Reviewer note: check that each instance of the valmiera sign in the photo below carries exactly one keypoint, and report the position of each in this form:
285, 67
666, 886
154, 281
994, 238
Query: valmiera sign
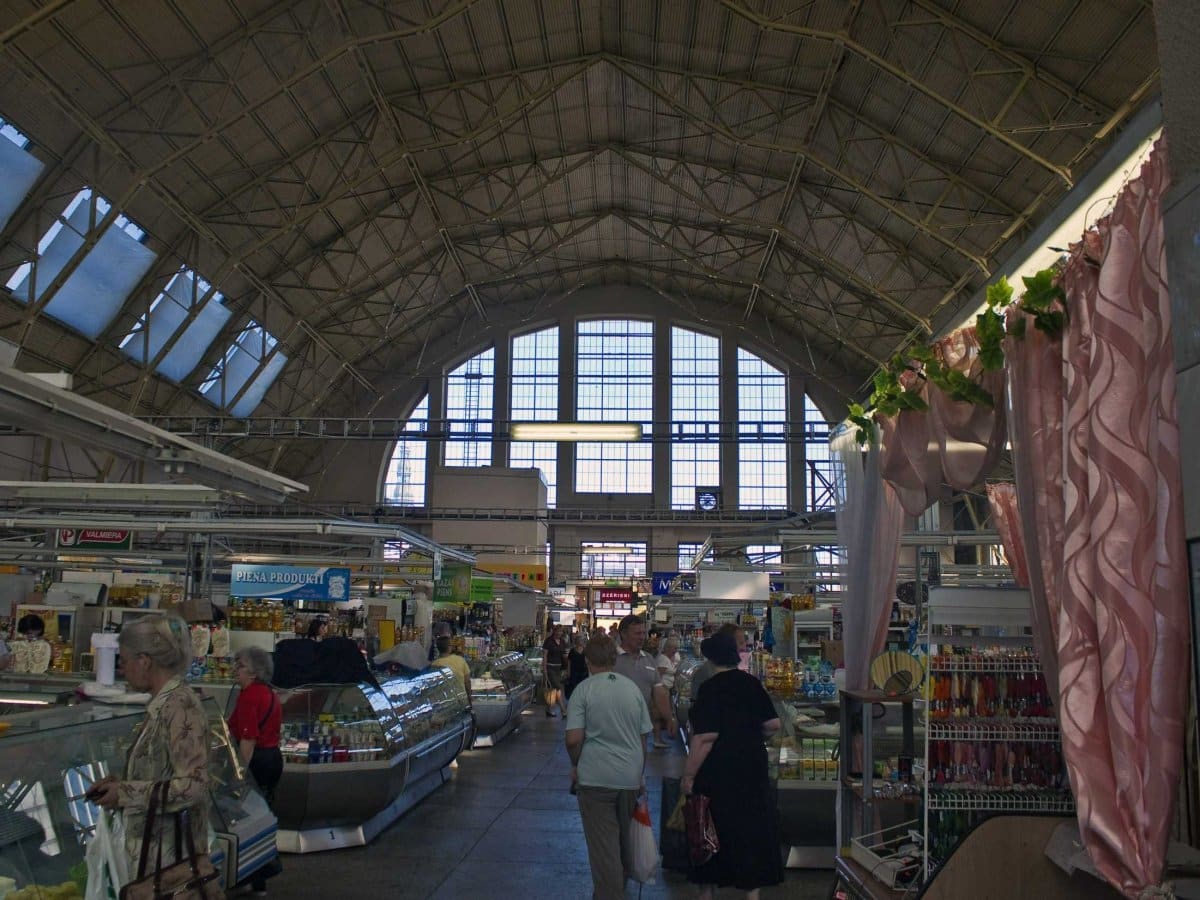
94, 539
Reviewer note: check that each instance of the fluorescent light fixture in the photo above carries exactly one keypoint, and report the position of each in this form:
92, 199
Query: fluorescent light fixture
575, 431
622, 550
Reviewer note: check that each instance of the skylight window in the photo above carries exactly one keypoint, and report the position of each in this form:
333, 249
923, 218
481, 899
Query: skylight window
240, 380
91, 294
189, 303
19, 170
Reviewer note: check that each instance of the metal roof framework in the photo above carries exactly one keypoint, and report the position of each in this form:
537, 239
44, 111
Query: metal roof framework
365, 178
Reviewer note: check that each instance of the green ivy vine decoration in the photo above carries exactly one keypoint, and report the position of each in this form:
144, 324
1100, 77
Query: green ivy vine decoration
1043, 300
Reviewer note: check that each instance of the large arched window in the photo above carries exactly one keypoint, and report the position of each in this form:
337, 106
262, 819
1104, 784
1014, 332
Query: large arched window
818, 475
469, 394
695, 415
404, 481
615, 383
762, 424
535, 399
611, 365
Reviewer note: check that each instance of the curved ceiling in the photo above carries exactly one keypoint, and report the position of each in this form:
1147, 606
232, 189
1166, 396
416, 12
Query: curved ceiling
365, 177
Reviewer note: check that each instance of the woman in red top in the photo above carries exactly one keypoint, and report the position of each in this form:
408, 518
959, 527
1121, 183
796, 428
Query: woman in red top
254, 727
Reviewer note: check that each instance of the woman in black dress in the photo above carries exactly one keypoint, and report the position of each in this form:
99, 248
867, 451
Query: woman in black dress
576, 666
727, 762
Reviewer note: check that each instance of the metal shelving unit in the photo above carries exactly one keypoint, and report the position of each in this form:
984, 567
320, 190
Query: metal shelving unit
991, 626
1000, 800
1027, 730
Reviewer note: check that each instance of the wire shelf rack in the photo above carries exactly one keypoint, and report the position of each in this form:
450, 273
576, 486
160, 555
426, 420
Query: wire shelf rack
1002, 800
998, 664
1028, 730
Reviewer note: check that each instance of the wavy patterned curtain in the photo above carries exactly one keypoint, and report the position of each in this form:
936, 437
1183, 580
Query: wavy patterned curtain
1123, 627
952, 443
1036, 388
1002, 499
869, 519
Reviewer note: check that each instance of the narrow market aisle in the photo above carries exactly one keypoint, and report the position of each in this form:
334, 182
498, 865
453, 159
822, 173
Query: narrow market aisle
506, 826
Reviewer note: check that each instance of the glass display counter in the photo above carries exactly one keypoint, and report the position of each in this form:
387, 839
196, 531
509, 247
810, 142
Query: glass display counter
802, 760
681, 695
533, 658
357, 756
51, 754
24, 693
501, 687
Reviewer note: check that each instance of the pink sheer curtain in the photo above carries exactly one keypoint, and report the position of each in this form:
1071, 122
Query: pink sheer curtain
1123, 627
1036, 388
869, 520
1002, 498
952, 443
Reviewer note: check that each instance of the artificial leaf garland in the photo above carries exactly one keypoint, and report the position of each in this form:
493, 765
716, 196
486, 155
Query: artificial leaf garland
1044, 301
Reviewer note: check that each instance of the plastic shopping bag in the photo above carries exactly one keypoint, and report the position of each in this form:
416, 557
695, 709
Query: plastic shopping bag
643, 848
107, 864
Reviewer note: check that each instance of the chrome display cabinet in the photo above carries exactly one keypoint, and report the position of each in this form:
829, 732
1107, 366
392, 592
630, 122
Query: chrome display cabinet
357, 756
681, 695
501, 687
50, 754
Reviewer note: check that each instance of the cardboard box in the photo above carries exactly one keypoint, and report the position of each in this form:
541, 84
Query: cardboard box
195, 610
834, 652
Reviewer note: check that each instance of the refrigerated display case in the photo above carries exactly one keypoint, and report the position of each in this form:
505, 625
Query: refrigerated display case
357, 756
501, 687
681, 695
50, 755
26, 692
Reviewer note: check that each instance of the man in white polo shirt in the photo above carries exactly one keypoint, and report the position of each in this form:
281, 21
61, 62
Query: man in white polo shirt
607, 724
642, 669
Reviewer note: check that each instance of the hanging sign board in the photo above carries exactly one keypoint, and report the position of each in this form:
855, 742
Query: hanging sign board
94, 538
290, 582
482, 590
533, 576
661, 583
454, 585
718, 585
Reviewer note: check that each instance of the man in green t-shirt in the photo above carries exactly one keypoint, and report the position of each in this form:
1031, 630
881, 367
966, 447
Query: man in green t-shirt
607, 724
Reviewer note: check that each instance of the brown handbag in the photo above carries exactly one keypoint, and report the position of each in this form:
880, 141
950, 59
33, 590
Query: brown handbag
193, 878
703, 843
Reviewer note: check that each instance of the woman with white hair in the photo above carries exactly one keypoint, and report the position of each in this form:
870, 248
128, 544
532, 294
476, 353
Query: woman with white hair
254, 726
666, 663
170, 744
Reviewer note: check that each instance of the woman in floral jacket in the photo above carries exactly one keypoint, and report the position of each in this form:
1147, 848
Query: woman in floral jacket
169, 744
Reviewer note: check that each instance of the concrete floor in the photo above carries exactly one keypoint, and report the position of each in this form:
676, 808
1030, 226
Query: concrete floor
504, 827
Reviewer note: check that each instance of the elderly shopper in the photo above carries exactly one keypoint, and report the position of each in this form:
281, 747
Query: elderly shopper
727, 762
640, 667
254, 727
170, 744
607, 724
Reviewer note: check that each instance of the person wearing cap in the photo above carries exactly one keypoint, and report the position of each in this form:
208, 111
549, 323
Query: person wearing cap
705, 670
731, 716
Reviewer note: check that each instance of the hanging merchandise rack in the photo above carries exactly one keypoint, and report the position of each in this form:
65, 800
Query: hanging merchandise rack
992, 743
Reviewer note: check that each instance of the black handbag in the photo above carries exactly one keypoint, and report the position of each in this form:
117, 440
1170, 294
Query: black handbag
703, 843
193, 878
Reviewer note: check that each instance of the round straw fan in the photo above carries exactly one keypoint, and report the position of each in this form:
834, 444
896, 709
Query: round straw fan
896, 672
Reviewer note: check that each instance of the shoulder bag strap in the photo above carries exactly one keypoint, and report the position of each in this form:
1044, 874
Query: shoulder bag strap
148, 830
270, 709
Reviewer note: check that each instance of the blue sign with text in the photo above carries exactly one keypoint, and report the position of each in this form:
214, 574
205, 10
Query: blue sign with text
290, 582
660, 582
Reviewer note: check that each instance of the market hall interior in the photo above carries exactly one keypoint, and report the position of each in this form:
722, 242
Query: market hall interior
504, 826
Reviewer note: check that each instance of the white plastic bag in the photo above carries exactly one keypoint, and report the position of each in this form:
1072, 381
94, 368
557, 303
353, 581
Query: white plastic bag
643, 847
107, 864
